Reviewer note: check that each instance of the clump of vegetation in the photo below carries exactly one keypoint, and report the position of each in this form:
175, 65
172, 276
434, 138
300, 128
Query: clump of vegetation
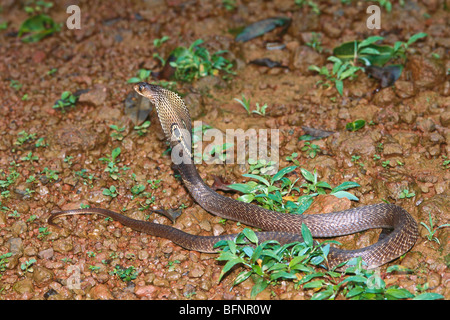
275, 192
67, 100
245, 103
269, 262
40, 25
196, 62
353, 56
125, 274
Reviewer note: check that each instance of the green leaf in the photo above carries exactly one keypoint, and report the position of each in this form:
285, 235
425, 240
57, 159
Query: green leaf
241, 187
230, 264
324, 294
307, 175
247, 198
345, 194
429, 296
345, 185
416, 37
281, 173
369, 41
260, 285
339, 86
399, 293
256, 177
307, 236
313, 284
251, 235
242, 277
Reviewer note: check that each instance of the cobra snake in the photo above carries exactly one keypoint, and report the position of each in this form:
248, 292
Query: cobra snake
399, 229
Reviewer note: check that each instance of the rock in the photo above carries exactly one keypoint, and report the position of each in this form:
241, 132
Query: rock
304, 57
404, 89
392, 149
148, 291
101, 292
18, 227
96, 96
42, 276
46, 254
23, 286
444, 118
63, 245
426, 72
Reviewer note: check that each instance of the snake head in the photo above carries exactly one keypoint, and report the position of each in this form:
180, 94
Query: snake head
147, 90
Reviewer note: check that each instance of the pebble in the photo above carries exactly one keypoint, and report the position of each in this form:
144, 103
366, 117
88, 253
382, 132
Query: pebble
100, 292
42, 276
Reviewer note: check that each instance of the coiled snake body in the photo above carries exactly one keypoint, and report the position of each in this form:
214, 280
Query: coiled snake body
399, 229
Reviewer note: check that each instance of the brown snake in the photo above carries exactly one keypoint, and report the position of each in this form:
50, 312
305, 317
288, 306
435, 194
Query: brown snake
399, 229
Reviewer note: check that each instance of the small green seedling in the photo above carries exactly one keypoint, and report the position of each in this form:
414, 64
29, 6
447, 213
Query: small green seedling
432, 230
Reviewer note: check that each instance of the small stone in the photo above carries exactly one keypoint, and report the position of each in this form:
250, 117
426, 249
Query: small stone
23, 286
392, 149
46, 254
63, 245
42, 276
96, 96
148, 291
101, 292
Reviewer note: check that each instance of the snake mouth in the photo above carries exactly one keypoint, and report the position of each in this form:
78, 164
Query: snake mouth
143, 88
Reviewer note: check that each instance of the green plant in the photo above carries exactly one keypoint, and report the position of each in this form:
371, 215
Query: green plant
196, 62
111, 191
261, 166
38, 27
43, 232
3, 261
24, 137
311, 149
445, 163
229, 4
117, 133
244, 103
274, 193
158, 42
261, 110
432, 230
143, 128
29, 157
67, 100
27, 265
314, 7
50, 174
142, 75
268, 263
341, 70
406, 194
111, 166
127, 274
315, 42
355, 125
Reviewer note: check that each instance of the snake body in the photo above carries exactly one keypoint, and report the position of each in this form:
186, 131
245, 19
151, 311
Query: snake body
399, 229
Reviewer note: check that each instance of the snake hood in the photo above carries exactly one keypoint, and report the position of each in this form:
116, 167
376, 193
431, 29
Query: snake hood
175, 119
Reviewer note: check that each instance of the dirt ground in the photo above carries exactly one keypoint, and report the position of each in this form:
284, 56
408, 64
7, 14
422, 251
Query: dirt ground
407, 124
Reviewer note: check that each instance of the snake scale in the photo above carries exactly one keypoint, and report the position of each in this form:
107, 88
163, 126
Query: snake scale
399, 229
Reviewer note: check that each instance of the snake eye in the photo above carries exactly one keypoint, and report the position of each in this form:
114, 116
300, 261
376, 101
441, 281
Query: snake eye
141, 87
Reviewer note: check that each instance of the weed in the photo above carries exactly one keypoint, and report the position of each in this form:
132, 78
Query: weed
67, 100
142, 75
315, 42
24, 137
406, 194
111, 191
341, 70
311, 149
268, 263
158, 42
310, 3
29, 157
50, 174
143, 128
355, 125
4, 261
27, 265
43, 232
244, 103
111, 166
117, 133
196, 62
432, 230
38, 27
261, 110
127, 274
